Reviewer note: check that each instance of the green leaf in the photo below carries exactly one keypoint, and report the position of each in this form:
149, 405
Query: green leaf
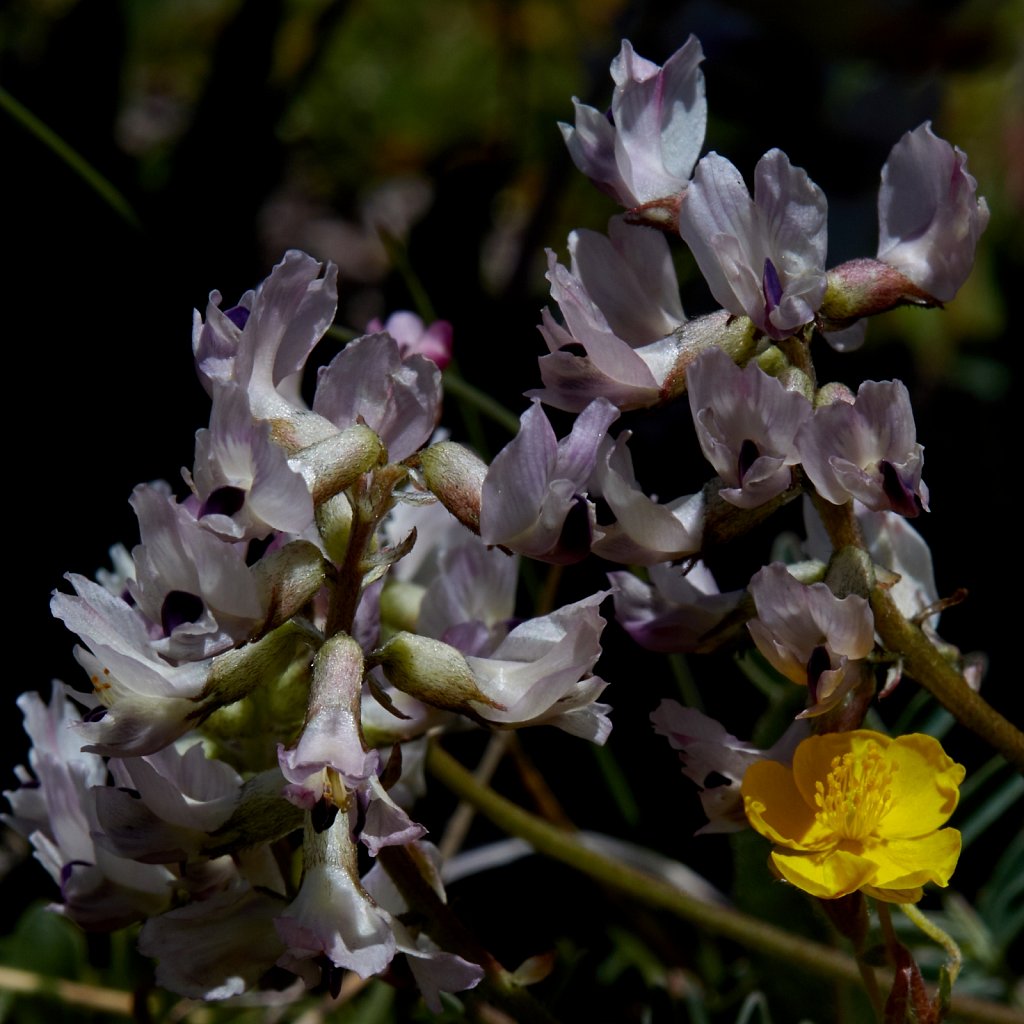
46, 943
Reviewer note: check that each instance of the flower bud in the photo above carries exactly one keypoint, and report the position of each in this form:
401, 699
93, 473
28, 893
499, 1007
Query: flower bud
287, 579
850, 572
734, 335
334, 521
431, 671
400, 604
864, 287
834, 391
336, 462
237, 673
260, 816
456, 476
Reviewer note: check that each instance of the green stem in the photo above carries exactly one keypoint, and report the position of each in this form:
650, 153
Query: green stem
371, 498
653, 892
563, 846
921, 658
942, 680
94, 998
462, 817
69, 156
938, 936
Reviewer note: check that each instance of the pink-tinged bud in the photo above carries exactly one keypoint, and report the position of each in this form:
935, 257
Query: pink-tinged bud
658, 213
287, 578
456, 476
834, 391
431, 671
865, 287
336, 462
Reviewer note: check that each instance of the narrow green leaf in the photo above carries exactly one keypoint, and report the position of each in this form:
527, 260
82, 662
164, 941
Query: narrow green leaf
69, 156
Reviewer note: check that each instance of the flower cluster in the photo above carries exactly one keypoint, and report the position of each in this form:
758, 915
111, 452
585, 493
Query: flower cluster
271, 656
336, 582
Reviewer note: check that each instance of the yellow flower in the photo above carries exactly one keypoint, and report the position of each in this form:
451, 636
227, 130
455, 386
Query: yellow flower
859, 810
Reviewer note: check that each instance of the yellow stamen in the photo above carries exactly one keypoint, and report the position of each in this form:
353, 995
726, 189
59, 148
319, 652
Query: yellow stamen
856, 794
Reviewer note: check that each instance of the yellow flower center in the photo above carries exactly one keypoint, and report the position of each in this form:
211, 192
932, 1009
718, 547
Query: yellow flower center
856, 794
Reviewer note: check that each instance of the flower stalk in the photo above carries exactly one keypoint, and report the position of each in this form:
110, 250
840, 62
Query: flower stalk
921, 658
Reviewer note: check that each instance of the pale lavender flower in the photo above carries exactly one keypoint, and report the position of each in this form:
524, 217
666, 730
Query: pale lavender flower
646, 150
867, 450
541, 673
677, 611
399, 397
193, 586
385, 822
414, 337
217, 947
534, 495
620, 302
331, 740
162, 806
140, 701
333, 916
470, 601
241, 480
55, 810
630, 278
811, 636
763, 258
746, 423
645, 532
262, 343
435, 970
706, 750
929, 214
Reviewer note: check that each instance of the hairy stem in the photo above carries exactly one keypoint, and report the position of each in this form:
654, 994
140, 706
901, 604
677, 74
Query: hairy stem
921, 658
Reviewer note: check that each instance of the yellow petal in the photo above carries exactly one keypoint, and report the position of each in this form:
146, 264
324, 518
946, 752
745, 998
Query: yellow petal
893, 895
828, 874
909, 863
776, 809
924, 787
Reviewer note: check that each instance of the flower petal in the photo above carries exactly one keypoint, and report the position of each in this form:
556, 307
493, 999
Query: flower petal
778, 810
924, 788
828, 874
909, 863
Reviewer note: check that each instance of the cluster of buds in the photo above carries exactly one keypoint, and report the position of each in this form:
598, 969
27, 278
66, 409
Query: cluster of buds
338, 583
